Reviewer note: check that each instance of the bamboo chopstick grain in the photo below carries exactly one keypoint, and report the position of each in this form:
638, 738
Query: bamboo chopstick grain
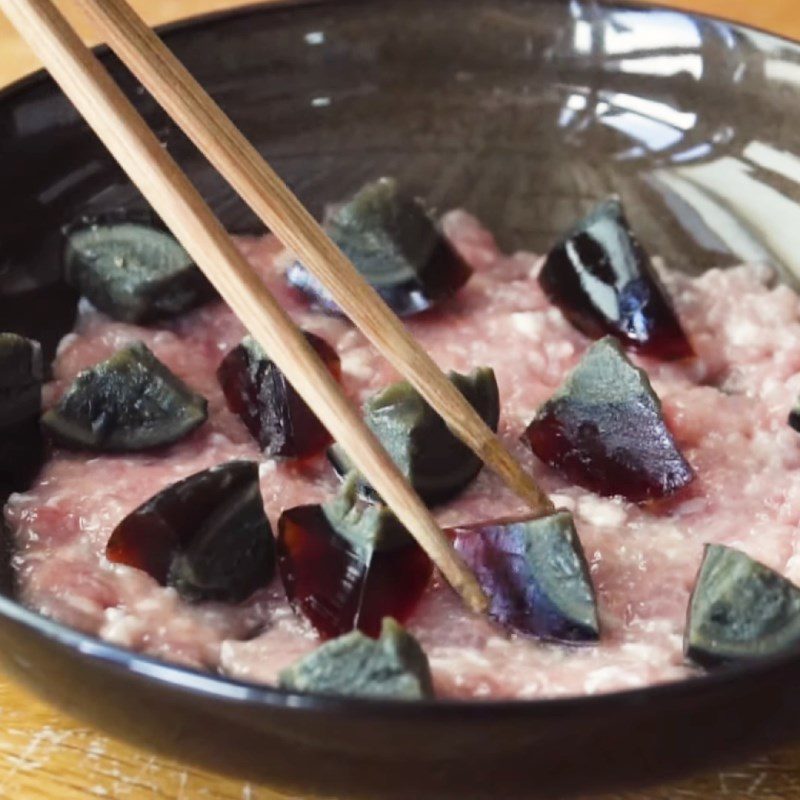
168, 190
261, 188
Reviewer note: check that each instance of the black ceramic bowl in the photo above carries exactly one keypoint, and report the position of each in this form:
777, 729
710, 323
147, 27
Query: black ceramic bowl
525, 113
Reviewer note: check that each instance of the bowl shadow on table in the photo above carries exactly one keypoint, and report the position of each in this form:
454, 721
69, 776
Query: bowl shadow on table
525, 114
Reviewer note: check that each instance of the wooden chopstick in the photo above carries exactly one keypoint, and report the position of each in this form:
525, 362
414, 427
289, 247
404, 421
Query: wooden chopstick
126, 135
262, 189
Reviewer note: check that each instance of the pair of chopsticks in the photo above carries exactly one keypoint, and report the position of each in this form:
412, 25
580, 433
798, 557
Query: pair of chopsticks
126, 135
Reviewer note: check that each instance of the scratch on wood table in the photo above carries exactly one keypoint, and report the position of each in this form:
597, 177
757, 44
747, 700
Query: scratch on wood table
45, 755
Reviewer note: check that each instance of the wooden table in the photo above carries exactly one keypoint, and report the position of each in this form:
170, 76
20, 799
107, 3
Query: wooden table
44, 754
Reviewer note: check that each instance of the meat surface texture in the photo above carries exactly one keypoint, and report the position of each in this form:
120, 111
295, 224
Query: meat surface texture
727, 410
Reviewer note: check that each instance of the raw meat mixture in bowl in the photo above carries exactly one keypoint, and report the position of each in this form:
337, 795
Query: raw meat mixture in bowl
727, 410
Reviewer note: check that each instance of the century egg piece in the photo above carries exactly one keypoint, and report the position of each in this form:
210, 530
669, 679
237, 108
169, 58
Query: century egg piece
436, 462
133, 271
346, 565
274, 413
129, 402
395, 245
604, 430
207, 535
392, 666
794, 416
21, 447
602, 279
535, 575
21, 374
740, 610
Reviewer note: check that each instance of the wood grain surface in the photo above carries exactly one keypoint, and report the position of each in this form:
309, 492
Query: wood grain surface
46, 755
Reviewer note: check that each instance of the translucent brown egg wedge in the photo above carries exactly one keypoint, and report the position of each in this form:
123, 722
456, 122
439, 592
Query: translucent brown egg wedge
604, 282
436, 462
604, 429
395, 245
207, 535
259, 394
131, 270
346, 564
740, 610
535, 574
394, 666
128, 403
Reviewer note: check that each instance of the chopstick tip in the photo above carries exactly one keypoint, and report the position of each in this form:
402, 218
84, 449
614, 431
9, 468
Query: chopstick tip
476, 599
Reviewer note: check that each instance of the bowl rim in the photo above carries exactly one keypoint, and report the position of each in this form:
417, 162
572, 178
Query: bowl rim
210, 685
191, 681
40, 75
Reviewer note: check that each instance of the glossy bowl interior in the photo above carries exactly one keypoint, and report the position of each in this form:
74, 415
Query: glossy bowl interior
525, 112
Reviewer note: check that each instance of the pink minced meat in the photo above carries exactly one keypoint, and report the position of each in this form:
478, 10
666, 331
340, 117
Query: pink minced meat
727, 410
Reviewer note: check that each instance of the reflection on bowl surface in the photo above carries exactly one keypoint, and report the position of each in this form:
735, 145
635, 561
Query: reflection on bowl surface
525, 114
